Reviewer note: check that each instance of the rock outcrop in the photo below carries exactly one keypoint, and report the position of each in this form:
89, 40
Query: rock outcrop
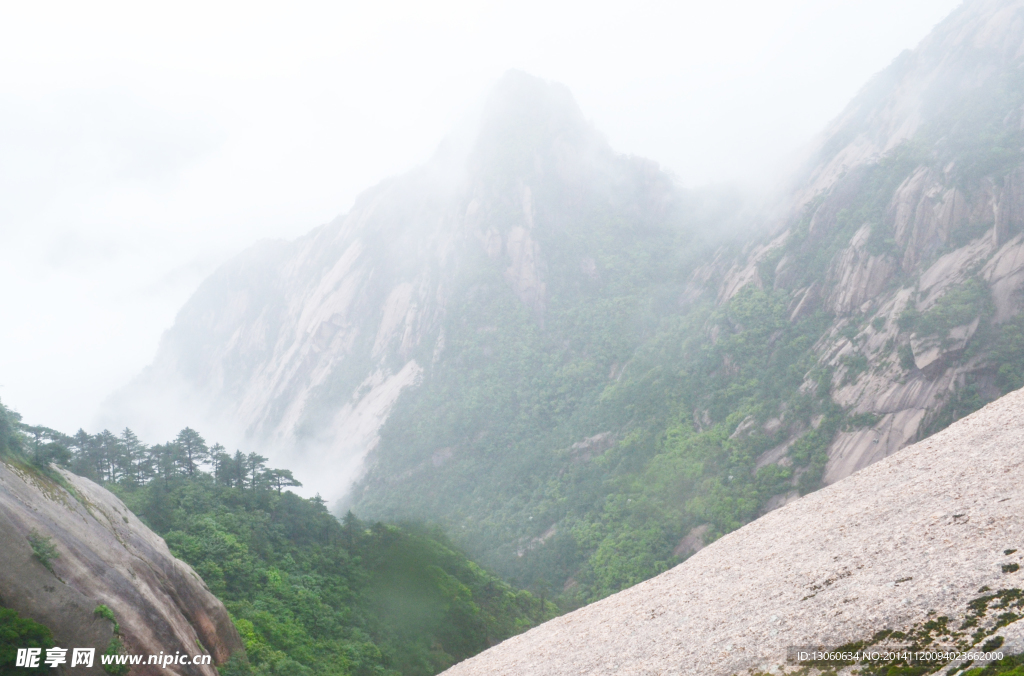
913, 202
106, 556
915, 537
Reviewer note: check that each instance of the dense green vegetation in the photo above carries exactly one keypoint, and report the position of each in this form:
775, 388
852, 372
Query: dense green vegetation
685, 395
581, 443
959, 307
1008, 666
309, 594
20, 632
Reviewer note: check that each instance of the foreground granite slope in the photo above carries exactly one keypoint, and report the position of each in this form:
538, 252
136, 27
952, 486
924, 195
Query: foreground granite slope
919, 532
106, 556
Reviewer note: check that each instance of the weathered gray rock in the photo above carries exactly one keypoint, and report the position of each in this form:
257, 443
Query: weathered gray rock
916, 533
1005, 273
308, 345
937, 233
106, 556
951, 270
894, 105
856, 276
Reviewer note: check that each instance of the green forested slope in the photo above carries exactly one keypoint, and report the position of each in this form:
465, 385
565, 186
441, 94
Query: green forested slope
309, 594
598, 371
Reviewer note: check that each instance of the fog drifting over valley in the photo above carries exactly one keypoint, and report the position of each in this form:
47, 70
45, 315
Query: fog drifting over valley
141, 148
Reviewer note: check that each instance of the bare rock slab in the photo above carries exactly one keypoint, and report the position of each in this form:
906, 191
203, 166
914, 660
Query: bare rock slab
105, 556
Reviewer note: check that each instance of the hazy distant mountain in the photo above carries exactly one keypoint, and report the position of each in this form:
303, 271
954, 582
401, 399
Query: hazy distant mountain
309, 344
586, 372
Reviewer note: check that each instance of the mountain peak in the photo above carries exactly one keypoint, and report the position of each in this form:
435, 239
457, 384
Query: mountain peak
527, 119
520, 100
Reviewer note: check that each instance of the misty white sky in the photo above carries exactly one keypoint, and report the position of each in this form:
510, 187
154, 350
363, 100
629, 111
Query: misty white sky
142, 143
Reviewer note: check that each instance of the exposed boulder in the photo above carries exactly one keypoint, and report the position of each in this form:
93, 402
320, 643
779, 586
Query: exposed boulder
106, 556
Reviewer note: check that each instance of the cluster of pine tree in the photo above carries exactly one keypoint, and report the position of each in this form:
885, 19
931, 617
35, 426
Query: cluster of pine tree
125, 460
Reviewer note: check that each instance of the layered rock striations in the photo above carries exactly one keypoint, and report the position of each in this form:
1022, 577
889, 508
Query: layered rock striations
105, 556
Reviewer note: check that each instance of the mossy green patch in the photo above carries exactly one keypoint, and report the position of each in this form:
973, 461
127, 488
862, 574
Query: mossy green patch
21, 632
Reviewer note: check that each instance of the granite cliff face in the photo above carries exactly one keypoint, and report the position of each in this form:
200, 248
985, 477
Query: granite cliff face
965, 56
105, 556
913, 207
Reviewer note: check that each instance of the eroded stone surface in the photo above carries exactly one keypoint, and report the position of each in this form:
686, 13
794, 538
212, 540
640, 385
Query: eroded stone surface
106, 556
